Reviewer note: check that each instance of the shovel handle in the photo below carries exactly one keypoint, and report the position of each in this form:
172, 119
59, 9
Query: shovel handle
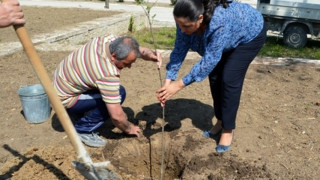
49, 89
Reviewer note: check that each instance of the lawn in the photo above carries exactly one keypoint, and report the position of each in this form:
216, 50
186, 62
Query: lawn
273, 47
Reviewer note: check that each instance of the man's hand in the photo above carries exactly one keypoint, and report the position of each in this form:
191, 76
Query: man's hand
149, 55
11, 14
120, 120
134, 130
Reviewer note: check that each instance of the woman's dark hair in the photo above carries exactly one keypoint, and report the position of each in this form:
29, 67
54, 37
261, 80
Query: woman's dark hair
192, 9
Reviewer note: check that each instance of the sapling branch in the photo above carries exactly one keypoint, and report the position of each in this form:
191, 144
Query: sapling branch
147, 10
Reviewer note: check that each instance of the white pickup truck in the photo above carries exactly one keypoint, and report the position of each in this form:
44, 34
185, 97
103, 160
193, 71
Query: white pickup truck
294, 19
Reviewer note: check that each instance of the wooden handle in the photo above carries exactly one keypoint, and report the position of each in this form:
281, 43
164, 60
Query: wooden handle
49, 89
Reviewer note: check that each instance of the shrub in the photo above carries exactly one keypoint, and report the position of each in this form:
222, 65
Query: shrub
131, 24
173, 2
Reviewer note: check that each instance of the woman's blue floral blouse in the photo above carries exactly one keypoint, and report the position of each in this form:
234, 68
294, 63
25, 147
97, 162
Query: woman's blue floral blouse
239, 23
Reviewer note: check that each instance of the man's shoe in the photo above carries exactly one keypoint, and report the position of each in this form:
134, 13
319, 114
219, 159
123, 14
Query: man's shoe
92, 139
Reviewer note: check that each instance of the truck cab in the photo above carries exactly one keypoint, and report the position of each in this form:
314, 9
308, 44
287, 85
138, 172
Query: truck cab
295, 20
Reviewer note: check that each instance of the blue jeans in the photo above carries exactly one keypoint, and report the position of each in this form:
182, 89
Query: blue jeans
92, 110
226, 80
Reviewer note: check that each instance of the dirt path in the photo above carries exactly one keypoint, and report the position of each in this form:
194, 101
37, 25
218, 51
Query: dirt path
277, 134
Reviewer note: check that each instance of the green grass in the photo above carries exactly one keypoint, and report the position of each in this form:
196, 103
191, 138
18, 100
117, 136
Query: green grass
164, 37
273, 47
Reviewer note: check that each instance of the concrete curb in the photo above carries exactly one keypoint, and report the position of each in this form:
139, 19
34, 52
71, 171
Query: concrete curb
82, 32
76, 34
284, 61
259, 60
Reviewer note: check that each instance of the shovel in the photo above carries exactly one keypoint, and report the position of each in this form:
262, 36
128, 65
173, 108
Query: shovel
84, 164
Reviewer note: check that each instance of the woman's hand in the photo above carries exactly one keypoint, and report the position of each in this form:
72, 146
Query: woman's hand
169, 89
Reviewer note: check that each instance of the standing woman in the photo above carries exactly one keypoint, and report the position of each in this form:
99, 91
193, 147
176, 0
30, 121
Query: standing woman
228, 35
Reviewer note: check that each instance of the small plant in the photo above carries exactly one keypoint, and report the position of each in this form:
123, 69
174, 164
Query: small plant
131, 27
147, 9
139, 1
173, 2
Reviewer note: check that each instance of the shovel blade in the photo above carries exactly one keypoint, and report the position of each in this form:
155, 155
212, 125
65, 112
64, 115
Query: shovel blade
96, 171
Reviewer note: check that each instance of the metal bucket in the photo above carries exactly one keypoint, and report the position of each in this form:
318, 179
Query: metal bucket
35, 103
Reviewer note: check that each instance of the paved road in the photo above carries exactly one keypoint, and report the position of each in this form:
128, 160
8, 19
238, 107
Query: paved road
163, 14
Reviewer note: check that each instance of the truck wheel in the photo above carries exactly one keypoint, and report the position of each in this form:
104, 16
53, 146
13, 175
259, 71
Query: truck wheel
295, 36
